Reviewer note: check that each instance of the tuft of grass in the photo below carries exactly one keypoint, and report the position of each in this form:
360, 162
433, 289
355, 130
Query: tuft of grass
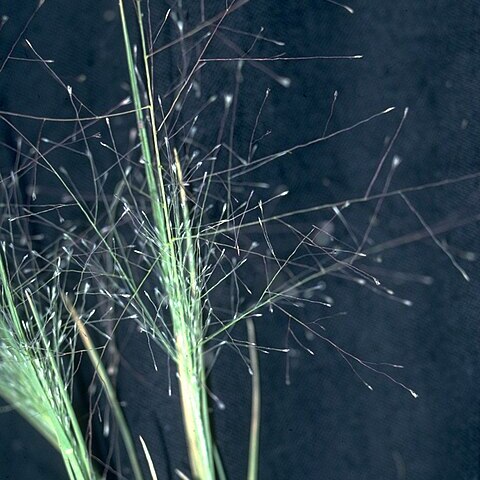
36, 369
178, 267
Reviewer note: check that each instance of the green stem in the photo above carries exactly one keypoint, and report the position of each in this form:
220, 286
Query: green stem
196, 428
109, 390
255, 417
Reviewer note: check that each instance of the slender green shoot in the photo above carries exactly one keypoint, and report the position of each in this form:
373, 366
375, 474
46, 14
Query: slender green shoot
254, 443
108, 389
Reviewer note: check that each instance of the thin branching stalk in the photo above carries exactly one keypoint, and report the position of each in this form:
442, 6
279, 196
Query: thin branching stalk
108, 389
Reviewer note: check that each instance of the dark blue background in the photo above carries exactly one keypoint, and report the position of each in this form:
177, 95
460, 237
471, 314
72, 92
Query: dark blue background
326, 425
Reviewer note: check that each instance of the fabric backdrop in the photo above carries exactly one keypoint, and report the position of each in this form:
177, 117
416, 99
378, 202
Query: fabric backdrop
326, 425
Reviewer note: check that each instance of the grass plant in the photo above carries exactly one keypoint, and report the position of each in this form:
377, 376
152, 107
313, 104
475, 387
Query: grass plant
36, 368
168, 249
